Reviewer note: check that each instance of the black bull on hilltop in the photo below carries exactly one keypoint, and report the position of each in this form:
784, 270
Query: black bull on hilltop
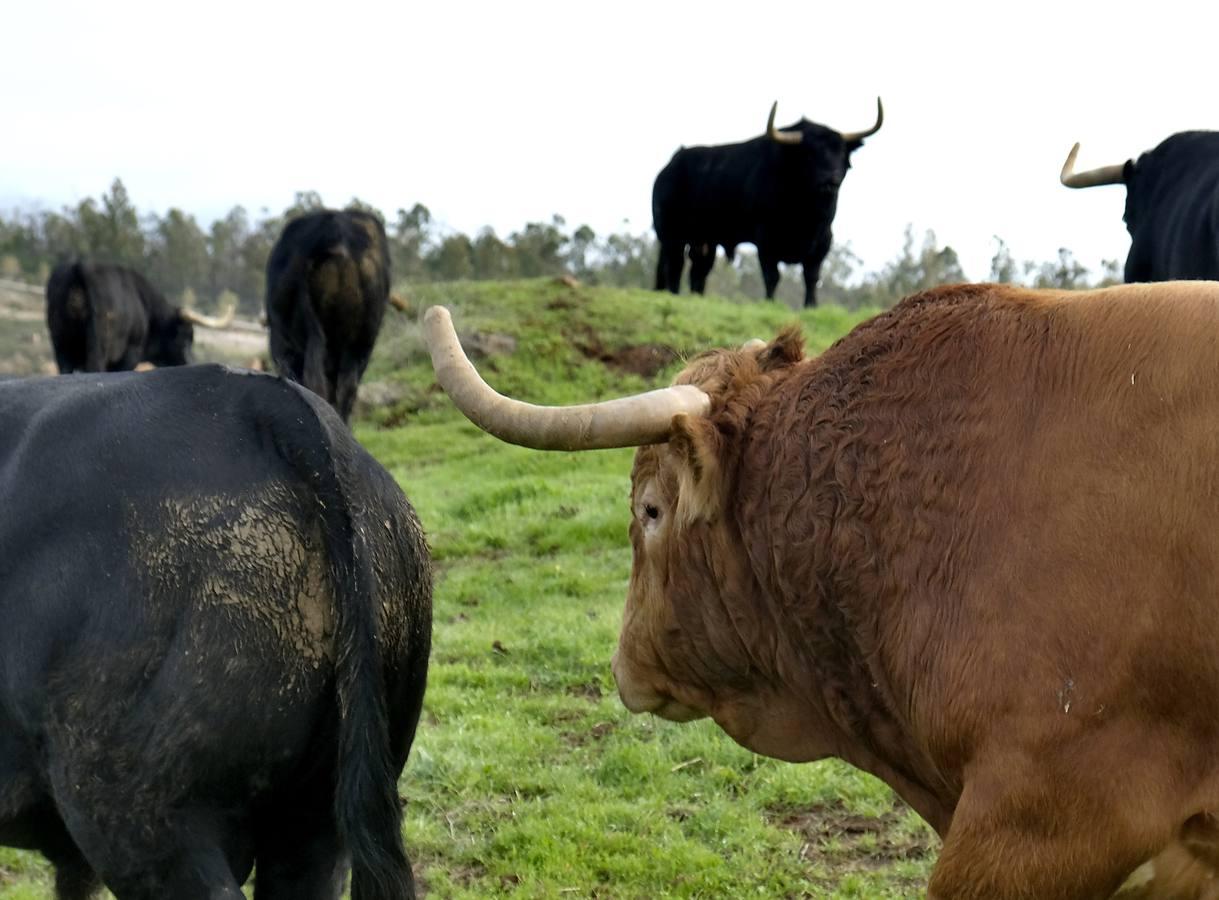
778, 192
216, 616
970, 549
1172, 206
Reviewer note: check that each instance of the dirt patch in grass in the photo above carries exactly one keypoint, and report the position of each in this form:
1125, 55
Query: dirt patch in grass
833, 834
592, 734
468, 874
589, 690
646, 360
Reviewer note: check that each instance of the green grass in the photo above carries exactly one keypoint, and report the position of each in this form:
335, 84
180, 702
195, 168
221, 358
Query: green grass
528, 778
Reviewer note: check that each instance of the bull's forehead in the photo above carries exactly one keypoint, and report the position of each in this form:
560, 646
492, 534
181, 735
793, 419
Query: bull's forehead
713, 370
816, 133
646, 468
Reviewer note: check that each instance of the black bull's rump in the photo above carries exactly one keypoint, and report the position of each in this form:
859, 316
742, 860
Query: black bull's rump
327, 288
217, 618
105, 318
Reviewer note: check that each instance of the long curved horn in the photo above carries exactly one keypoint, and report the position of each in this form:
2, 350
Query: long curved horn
1091, 178
849, 136
626, 422
222, 321
780, 137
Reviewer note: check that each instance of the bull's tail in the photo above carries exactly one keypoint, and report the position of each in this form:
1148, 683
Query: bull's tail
313, 369
366, 797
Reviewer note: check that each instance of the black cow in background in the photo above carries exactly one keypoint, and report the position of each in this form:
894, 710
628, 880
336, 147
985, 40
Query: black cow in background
327, 288
778, 192
108, 318
215, 638
1172, 206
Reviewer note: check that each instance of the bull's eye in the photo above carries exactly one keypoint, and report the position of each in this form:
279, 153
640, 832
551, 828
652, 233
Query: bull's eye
651, 511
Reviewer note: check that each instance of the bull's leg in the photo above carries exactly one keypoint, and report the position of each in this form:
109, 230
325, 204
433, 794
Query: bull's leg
198, 869
702, 259
75, 878
296, 867
812, 270
43, 830
672, 259
131, 358
188, 855
64, 362
1028, 825
770, 272
202, 873
662, 280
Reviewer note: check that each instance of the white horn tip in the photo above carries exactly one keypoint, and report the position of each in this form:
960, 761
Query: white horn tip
437, 314
1068, 167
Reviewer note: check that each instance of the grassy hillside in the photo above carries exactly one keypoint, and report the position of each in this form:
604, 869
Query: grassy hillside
528, 778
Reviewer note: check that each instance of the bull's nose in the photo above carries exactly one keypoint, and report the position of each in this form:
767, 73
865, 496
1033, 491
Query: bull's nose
629, 694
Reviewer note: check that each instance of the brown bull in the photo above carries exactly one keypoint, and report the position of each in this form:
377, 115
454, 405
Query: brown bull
970, 549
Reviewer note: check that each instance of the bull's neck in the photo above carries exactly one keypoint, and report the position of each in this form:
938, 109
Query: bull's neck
810, 538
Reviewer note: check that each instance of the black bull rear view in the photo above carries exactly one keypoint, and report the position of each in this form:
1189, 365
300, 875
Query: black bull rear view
215, 638
778, 192
327, 288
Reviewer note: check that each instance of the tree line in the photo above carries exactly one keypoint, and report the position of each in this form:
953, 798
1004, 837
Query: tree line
191, 262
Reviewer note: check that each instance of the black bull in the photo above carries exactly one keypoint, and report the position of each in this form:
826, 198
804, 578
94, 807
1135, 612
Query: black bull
108, 318
215, 638
1172, 206
327, 288
778, 192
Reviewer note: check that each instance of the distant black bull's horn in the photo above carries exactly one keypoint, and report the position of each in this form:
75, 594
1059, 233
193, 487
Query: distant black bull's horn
791, 137
1091, 178
224, 320
780, 137
849, 136
626, 422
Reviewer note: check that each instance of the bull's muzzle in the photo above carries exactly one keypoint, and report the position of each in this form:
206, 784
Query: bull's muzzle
639, 697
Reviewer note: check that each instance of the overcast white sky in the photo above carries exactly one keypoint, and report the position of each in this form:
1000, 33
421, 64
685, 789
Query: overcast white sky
502, 113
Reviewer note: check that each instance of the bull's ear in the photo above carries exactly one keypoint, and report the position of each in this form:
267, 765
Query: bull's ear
696, 445
784, 350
